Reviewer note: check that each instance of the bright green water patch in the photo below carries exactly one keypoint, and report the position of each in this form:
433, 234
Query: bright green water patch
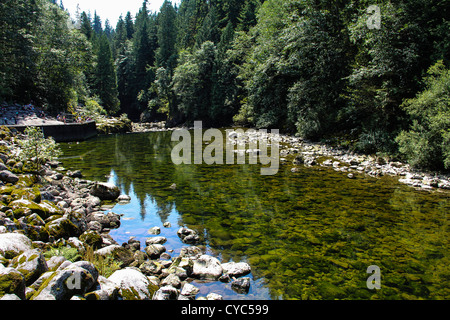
307, 235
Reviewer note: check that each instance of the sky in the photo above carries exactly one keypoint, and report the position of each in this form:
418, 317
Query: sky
111, 9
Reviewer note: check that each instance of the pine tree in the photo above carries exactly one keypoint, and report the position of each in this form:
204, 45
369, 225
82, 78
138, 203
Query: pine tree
129, 25
97, 24
166, 53
106, 82
86, 26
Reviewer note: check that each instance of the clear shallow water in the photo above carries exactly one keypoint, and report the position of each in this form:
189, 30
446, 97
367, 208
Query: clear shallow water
307, 235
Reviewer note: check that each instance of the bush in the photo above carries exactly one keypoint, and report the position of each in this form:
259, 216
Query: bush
427, 143
37, 149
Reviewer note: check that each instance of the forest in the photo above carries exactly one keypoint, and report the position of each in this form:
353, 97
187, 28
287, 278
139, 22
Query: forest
313, 68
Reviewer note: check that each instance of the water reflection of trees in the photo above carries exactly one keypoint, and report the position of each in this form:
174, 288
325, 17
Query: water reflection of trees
310, 234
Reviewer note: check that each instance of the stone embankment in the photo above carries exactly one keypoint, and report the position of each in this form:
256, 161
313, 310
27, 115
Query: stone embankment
55, 243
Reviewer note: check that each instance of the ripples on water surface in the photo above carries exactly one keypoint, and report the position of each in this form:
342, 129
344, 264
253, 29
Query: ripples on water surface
307, 235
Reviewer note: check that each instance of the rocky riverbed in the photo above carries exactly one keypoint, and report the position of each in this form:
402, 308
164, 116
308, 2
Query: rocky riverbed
55, 243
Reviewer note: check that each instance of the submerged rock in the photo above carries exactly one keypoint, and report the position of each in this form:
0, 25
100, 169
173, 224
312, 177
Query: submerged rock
241, 285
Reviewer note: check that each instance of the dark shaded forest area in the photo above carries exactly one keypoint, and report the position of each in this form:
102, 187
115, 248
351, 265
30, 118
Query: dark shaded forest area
315, 68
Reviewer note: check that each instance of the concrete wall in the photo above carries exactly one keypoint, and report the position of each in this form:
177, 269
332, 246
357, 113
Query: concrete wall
66, 132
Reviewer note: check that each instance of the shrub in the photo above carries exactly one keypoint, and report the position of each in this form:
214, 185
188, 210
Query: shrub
37, 149
427, 143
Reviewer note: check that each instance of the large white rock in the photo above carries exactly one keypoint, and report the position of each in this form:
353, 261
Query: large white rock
207, 267
238, 269
133, 284
13, 244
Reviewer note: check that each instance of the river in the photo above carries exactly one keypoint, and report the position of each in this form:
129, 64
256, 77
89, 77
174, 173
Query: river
311, 234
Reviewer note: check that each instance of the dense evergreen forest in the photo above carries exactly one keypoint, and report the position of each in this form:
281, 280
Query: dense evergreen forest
315, 68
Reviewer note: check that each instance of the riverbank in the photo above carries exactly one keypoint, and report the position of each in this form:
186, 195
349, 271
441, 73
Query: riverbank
307, 153
55, 243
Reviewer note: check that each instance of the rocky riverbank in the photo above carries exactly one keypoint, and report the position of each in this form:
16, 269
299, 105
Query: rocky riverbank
55, 243
305, 153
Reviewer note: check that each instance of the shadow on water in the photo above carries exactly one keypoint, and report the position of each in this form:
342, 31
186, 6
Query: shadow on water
307, 235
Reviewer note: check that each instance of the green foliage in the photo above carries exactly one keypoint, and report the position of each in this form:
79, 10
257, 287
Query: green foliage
38, 149
105, 80
69, 253
427, 143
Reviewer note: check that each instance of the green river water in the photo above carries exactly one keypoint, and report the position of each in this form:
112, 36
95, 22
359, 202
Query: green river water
307, 235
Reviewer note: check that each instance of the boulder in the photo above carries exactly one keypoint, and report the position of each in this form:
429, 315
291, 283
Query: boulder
133, 284
188, 236
241, 285
62, 228
105, 191
172, 280
207, 267
54, 262
191, 252
214, 296
76, 279
151, 268
155, 240
189, 291
154, 230
106, 290
12, 282
8, 177
31, 264
166, 293
154, 251
234, 269
124, 256
13, 244
92, 238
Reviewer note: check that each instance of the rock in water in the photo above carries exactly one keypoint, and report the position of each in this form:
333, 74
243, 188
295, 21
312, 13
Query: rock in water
234, 269
188, 236
207, 267
105, 191
241, 285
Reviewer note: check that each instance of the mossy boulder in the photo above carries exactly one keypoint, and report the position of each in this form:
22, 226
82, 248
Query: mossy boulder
31, 264
44, 209
92, 238
12, 282
62, 228
34, 226
133, 284
76, 279
13, 244
120, 254
32, 194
